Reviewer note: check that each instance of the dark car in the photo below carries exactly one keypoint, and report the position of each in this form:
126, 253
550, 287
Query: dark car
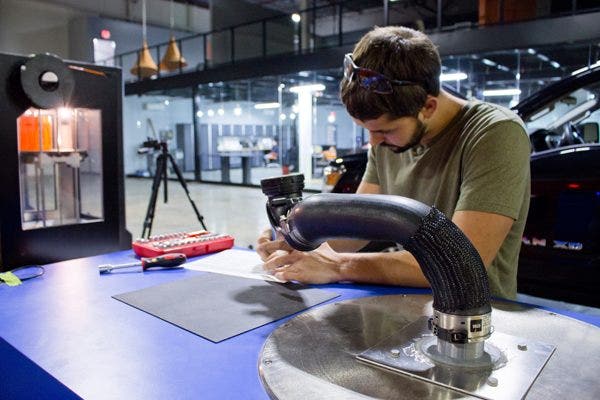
560, 255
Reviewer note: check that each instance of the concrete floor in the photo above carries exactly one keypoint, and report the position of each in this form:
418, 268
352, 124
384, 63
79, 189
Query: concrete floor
237, 211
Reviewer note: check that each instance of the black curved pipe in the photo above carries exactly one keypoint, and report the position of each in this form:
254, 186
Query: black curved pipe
447, 258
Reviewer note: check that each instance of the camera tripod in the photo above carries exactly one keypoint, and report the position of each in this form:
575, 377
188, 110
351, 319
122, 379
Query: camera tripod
161, 175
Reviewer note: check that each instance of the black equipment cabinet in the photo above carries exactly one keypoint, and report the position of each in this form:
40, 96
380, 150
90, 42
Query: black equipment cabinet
62, 191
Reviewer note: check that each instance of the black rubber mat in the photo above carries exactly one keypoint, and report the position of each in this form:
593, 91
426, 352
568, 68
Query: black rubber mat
218, 307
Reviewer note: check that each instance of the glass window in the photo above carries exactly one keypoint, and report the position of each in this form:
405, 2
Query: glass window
570, 119
60, 167
255, 115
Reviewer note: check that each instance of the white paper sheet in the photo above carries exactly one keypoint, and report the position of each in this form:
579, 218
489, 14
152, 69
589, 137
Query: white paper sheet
243, 263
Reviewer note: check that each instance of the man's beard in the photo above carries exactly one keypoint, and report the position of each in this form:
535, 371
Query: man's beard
415, 139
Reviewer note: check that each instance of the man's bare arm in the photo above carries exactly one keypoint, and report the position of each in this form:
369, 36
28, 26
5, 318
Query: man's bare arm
485, 230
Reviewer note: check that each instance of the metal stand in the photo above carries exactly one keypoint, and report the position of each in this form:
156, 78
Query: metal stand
161, 174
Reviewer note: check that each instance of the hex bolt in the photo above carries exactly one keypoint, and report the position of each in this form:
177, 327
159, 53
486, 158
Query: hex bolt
395, 352
492, 381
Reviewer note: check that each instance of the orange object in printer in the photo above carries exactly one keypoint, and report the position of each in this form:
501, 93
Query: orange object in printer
29, 132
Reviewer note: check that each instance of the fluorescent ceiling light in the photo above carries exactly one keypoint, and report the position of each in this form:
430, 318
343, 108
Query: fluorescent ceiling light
501, 92
597, 63
555, 64
488, 62
308, 88
264, 106
455, 76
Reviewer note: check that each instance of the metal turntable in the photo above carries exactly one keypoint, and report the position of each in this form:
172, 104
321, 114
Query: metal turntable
316, 355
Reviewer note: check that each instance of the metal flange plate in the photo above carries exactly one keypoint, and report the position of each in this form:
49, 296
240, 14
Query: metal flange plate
506, 370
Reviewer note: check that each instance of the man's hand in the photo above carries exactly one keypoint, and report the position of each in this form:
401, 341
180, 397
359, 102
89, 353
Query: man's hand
266, 246
322, 265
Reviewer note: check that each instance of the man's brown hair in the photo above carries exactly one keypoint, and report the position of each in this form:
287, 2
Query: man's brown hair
398, 53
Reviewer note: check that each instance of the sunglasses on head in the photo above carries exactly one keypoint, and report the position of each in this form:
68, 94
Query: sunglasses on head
369, 79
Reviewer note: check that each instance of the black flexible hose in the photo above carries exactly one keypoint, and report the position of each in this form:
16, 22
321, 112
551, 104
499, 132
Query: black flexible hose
447, 258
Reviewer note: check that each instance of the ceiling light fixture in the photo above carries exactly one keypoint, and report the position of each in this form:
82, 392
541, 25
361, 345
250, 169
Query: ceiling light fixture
488, 62
264, 106
597, 63
145, 67
454, 76
501, 92
172, 59
308, 88
543, 57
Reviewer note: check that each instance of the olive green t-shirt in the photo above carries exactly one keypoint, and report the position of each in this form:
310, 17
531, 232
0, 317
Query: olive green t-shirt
479, 162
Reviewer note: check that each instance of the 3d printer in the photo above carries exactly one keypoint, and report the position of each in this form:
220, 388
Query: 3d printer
61, 147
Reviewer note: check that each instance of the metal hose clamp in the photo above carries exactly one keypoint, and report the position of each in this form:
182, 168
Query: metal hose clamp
461, 328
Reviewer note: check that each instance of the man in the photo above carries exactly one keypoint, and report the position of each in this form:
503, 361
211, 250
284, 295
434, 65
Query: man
468, 159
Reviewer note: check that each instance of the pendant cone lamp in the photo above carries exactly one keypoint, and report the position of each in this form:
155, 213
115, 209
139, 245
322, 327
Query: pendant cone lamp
145, 66
173, 59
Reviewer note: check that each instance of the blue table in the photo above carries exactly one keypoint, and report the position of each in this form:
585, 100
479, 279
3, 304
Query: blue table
63, 336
